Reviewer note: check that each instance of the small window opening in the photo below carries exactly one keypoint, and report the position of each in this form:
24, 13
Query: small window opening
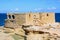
47, 15
13, 16
9, 16
29, 15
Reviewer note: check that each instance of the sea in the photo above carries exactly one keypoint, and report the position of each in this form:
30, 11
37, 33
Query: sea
3, 16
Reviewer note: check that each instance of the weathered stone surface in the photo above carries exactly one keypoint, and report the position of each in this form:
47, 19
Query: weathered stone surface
4, 36
17, 37
8, 30
29, 19
20, 31
11, 23
35, 37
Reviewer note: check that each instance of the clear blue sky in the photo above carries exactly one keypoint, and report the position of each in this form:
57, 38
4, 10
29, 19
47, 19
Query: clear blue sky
30, 5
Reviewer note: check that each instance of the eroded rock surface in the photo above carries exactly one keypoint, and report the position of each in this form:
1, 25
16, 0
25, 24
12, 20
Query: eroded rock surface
4, 36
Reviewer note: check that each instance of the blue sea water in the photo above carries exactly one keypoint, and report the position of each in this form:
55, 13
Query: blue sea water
3, 16
57, 17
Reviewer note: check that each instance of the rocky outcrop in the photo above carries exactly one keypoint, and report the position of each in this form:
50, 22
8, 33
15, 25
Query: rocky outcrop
4, 36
